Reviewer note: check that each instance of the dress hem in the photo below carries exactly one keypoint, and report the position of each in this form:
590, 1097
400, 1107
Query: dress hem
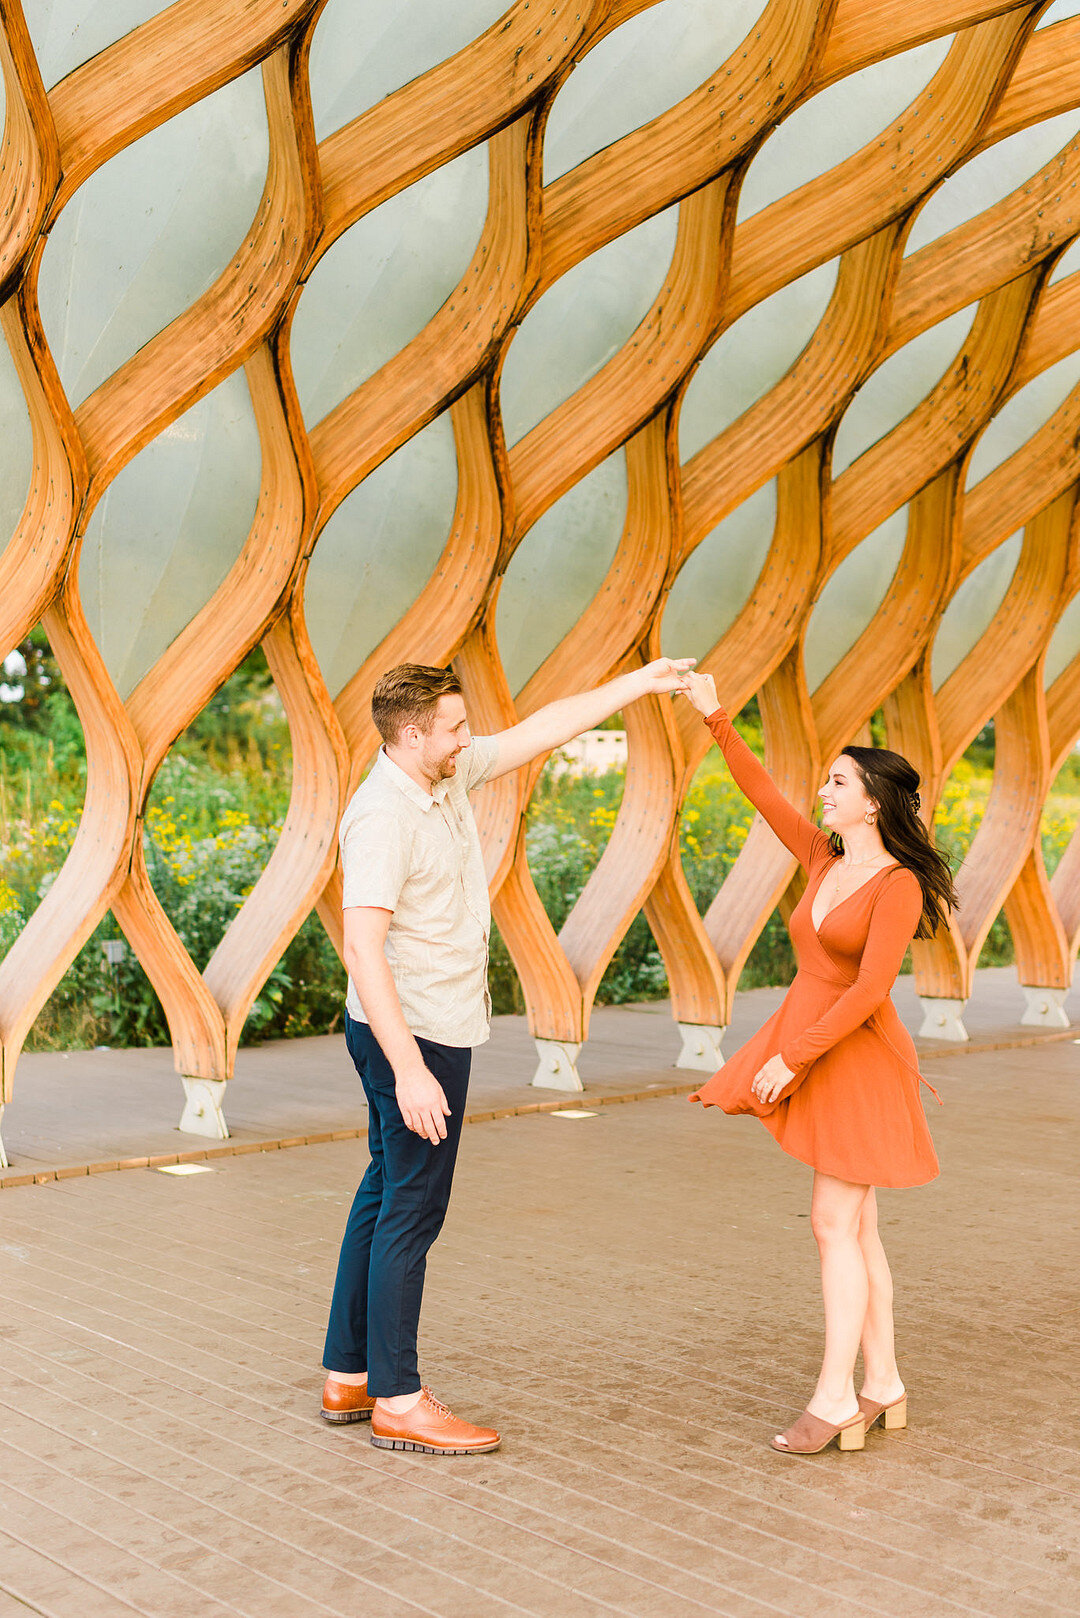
885, 1185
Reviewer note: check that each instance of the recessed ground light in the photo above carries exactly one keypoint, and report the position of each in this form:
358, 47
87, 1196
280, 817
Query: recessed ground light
572, 1112
184, 1168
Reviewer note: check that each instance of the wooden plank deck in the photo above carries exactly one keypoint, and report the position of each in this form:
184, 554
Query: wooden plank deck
631, 1298
103, 1109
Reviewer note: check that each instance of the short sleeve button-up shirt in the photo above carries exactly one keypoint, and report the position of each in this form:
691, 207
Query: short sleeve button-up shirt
417, 854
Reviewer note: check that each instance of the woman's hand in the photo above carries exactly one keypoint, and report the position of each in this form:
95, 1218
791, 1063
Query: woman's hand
701, 689
771, 1079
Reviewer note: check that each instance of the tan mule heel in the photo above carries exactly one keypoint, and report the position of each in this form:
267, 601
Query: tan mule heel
809, 1435
892, 1416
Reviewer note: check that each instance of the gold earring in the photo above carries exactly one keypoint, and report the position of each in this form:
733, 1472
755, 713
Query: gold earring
871, 819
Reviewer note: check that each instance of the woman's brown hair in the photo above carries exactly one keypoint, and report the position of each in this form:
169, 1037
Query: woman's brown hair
893, 784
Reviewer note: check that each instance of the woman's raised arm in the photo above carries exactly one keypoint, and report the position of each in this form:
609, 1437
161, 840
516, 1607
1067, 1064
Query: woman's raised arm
795, 831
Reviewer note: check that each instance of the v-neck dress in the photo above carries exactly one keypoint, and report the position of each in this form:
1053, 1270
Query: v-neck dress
853, 1108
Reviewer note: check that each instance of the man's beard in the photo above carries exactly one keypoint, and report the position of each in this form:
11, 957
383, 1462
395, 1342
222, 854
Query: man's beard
442, 769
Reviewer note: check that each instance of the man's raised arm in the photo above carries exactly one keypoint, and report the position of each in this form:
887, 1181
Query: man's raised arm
559, 722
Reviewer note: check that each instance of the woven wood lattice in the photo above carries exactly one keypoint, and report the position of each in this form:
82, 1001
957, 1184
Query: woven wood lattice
999, 76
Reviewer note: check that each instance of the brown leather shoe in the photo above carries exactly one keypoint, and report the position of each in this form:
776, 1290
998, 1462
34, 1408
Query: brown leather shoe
430, 1427
345, 1401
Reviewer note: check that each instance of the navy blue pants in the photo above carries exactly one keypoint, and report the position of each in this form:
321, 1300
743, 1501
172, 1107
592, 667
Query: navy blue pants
396, 1215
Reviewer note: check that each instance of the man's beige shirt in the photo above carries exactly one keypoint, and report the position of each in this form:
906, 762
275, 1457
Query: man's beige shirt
417, 854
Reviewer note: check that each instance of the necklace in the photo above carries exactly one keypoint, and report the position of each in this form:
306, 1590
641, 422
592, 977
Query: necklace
842, 863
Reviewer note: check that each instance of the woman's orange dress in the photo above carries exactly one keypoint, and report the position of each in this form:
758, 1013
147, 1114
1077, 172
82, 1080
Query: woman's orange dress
853, 1108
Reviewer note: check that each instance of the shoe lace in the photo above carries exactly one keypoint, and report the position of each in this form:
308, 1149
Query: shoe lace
436, 1404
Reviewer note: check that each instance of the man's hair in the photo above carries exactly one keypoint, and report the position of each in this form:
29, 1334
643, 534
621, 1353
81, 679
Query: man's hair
409, 695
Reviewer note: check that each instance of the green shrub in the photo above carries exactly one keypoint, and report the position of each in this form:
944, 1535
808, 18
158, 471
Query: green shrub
215, 814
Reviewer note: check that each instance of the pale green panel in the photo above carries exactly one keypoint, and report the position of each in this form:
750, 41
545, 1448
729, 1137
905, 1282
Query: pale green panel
150, 231
361, 54
852, 597
378, 551
1022, 416
752, 356
1068, 263
382, 281
895, 388
1058, 13
1064, 643
718, 577
558, 568
167, 530
583, 321
639, 71
986, 179
837, 123
66, 33
972, 608
17, 460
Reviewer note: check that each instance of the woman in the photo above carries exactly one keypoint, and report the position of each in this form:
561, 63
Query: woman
833, 1073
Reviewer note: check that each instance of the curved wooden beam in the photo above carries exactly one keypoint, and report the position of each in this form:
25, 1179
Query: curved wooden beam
224, 327
891, 643
942, 427
689, 145
1034, 222
256, 587
297, 871
886, 179
458, 345
773, 618
490, 83
33, 561
450, 604
29, 153
184, 678
647, 370
1009, 496
810, 398
1017, 633
97, 862
553, 999
1004, 680
163, 66
1043, 84
862, 34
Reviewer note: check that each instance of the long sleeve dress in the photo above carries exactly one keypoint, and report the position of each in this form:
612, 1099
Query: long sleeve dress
853, 1108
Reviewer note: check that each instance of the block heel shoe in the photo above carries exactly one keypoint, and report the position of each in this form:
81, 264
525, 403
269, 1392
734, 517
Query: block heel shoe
810, 1435
892, 1416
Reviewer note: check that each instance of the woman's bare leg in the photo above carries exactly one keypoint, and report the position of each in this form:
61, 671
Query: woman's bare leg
881, 1378
835, 1212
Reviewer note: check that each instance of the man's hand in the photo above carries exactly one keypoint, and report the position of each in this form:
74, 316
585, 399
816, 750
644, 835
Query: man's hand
421, 1102
558, 722
666, 674
771, 1079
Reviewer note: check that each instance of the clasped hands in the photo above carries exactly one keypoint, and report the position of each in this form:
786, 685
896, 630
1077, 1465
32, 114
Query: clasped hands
676, 674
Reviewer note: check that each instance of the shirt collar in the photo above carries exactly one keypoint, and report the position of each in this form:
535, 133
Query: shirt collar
397, 777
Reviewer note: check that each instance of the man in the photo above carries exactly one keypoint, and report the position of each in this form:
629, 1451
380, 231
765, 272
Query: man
416, 937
